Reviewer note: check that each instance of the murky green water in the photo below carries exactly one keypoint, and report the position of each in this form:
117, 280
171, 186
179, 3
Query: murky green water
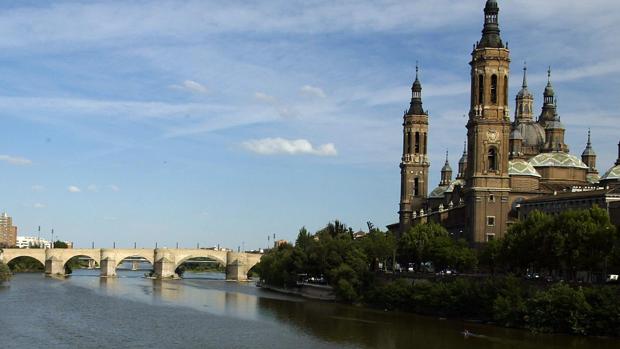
203, 311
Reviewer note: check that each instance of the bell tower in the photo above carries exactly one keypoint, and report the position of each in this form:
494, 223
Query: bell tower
414, 163
488, 132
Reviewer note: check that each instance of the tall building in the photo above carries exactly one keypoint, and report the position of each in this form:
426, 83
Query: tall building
508, 165
8, 232
414, 163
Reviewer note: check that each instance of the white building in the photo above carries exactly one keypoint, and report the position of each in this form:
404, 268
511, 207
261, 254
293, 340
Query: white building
32, 242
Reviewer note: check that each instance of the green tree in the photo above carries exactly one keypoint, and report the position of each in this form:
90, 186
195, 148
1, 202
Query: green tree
378, 247
60, 244
5, 273
415, 244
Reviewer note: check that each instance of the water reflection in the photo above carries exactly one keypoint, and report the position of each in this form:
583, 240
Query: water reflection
272, 316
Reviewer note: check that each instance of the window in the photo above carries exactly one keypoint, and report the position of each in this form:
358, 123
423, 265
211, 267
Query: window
417, 142
490, 221
480, 89
425, 149
416, 186
491, 198
490, 237
494, 89
492, 159
409, 142
506, 90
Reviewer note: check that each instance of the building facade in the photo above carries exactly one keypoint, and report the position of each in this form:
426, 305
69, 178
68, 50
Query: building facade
508, 164
8, 232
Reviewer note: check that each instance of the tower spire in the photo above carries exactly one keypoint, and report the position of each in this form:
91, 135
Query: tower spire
416, 95
589, 156
446, 172
524, 85
618, 160
490, 32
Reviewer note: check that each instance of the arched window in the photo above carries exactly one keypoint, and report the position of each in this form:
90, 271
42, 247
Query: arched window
417, 142
492, 159
494, 89
408, 142
506, 90
425, 148
416, 187
480, 89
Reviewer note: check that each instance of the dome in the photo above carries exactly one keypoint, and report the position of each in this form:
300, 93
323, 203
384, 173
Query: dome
593, 178
515, 134
438, 192
532, 133
612, 174
453, 184
557, 159
519, 167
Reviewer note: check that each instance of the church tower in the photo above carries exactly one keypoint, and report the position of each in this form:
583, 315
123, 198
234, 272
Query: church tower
549, 118
414, 163
462, 163
589, 157
488, 131
446, 173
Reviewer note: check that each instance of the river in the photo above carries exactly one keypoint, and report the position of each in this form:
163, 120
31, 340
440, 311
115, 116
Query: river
204, 311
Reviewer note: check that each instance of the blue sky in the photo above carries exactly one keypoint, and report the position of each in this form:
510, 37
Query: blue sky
224, 122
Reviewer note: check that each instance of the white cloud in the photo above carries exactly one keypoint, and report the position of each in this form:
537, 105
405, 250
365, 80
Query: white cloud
15, 160
265, 98
312, 91
283, 110
114, 187
272, 146
73, 189
38, 205
37, 188
191, 86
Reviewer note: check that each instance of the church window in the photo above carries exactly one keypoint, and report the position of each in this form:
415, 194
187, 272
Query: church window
505, 89
492, 159
480, 89
417, 142
425, 148
494, 89
491, 221
409, 142
416, 187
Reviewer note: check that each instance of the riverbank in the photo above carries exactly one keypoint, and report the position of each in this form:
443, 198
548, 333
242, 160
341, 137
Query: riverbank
309, 291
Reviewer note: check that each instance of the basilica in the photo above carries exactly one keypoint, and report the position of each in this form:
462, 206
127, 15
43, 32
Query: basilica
509, 167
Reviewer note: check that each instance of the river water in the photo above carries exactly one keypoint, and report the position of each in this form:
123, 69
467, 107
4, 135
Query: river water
204, 311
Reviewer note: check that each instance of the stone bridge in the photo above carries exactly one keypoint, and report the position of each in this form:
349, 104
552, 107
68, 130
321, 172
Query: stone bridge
164, 260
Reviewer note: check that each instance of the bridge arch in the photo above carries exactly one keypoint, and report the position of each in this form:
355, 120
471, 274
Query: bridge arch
11, 254
214, 257
121, 256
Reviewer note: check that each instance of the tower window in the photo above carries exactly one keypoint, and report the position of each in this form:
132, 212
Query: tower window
417, 142
425, 148
408, 142
492, 159
494, 89
416, 187
490, 221
480, 89
506, 90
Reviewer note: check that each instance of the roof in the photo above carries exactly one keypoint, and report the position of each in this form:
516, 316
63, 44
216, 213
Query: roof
532, 133
438, 192
612, 173
574, 195
454, 183
593, 178
557, 159
520, 167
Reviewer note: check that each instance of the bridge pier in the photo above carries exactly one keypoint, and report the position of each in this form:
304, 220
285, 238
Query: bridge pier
54, 266
164, 266
107, 267
236, 266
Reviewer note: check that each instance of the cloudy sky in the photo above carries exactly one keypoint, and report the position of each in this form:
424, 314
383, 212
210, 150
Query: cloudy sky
227, 121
